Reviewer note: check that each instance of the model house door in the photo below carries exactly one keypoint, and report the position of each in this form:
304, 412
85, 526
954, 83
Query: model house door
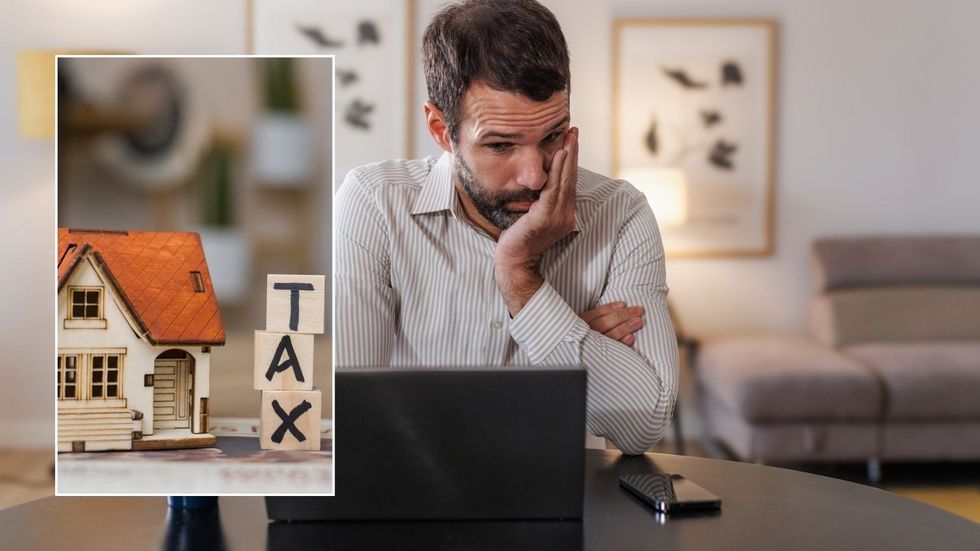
172, 385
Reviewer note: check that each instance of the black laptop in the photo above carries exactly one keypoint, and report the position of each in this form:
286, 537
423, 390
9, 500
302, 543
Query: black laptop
498, 443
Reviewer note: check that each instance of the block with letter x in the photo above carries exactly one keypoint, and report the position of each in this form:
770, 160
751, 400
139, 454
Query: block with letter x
283, 361
290, 420
295, 303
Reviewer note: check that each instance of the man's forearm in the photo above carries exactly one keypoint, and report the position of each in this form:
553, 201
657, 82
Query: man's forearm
630, 398
631, 389
517, 285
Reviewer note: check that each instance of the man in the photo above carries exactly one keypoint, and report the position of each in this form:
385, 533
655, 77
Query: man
503, 251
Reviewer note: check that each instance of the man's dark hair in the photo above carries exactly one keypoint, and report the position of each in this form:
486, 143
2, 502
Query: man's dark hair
510, 45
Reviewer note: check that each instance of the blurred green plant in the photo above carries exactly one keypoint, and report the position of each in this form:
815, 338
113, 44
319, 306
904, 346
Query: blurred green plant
215, 186
279, 85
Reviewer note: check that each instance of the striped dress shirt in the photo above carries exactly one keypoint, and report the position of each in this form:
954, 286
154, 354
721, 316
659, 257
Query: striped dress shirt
415, 286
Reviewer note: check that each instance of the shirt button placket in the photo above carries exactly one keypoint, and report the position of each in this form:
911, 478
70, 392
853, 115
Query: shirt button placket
498, 342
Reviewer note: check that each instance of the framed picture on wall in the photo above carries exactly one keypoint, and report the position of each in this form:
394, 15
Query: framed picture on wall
373, 43
694, 105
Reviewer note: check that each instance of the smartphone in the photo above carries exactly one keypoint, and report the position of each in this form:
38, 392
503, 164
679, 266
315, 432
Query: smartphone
670, 493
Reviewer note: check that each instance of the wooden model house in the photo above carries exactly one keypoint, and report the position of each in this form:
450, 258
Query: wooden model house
137, 318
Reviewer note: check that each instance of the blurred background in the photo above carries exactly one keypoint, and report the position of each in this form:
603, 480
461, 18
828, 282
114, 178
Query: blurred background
874, 128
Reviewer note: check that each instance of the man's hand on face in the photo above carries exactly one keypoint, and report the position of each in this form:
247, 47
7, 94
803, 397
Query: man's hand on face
616, 321
520, 247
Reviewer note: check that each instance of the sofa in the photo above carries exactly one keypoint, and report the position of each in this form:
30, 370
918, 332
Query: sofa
889, 369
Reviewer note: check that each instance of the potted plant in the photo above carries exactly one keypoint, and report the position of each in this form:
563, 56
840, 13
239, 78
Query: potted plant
282, 141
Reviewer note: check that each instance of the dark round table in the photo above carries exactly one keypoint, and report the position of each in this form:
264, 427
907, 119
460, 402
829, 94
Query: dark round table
763, 508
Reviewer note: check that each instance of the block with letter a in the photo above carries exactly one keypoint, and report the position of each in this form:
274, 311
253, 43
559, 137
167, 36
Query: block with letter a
290, 420
283, 361
283, 370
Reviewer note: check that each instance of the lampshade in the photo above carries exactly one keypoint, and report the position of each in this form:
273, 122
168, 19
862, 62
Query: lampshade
666, 191
35, 94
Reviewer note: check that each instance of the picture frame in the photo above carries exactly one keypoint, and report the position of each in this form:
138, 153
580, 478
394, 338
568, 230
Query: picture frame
373, 43
694, 115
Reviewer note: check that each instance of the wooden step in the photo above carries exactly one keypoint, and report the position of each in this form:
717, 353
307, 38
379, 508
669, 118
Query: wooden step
64, 410
109, 416
80, 428
94, 415
88, 420
117, 430
97, 416
97, 438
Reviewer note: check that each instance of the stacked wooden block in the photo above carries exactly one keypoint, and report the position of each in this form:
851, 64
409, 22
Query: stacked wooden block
290, 417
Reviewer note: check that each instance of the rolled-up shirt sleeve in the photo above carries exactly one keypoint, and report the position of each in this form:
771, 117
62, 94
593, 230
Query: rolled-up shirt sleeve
631, 390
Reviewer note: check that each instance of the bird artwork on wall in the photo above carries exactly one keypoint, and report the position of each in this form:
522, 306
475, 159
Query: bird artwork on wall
651, 137
681, 77
367, 33
720, 153
711, 117
347, 76
731, 74
357, 112
317, 36
695, 98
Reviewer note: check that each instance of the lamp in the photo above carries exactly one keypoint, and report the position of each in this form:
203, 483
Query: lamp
666, 191
35, 94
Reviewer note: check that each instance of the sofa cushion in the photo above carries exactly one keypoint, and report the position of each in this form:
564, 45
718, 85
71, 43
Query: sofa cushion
848, 440
841, 263
787, 378
896, 314
925, 381
930, 441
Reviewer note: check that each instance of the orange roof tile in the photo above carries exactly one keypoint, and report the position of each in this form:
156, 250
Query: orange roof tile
152, 273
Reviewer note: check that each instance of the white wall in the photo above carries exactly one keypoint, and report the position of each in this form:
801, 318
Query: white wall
878, 132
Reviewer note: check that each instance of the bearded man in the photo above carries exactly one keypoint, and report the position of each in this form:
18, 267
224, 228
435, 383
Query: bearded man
502, 251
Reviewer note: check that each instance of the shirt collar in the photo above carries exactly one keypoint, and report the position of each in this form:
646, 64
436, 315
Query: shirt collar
439, 193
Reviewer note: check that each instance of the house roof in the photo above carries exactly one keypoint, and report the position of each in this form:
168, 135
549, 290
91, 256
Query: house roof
152, 274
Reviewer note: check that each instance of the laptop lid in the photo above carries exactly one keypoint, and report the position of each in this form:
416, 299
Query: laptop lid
453, 443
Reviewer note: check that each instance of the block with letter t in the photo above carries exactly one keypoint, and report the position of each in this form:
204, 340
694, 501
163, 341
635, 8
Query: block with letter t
290, 420
295, 303
283, 361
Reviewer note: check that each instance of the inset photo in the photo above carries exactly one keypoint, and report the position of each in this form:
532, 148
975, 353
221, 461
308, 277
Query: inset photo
193, 247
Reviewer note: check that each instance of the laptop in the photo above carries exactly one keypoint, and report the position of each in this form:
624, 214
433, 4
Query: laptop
463, 443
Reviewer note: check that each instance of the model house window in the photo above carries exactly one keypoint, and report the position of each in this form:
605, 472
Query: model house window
86, 303
197, 282
67, 377
105, 376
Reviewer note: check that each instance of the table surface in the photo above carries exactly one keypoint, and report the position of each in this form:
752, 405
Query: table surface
236, 465
763, 508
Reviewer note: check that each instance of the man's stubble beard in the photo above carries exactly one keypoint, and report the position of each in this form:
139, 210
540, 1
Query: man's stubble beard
490, 206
